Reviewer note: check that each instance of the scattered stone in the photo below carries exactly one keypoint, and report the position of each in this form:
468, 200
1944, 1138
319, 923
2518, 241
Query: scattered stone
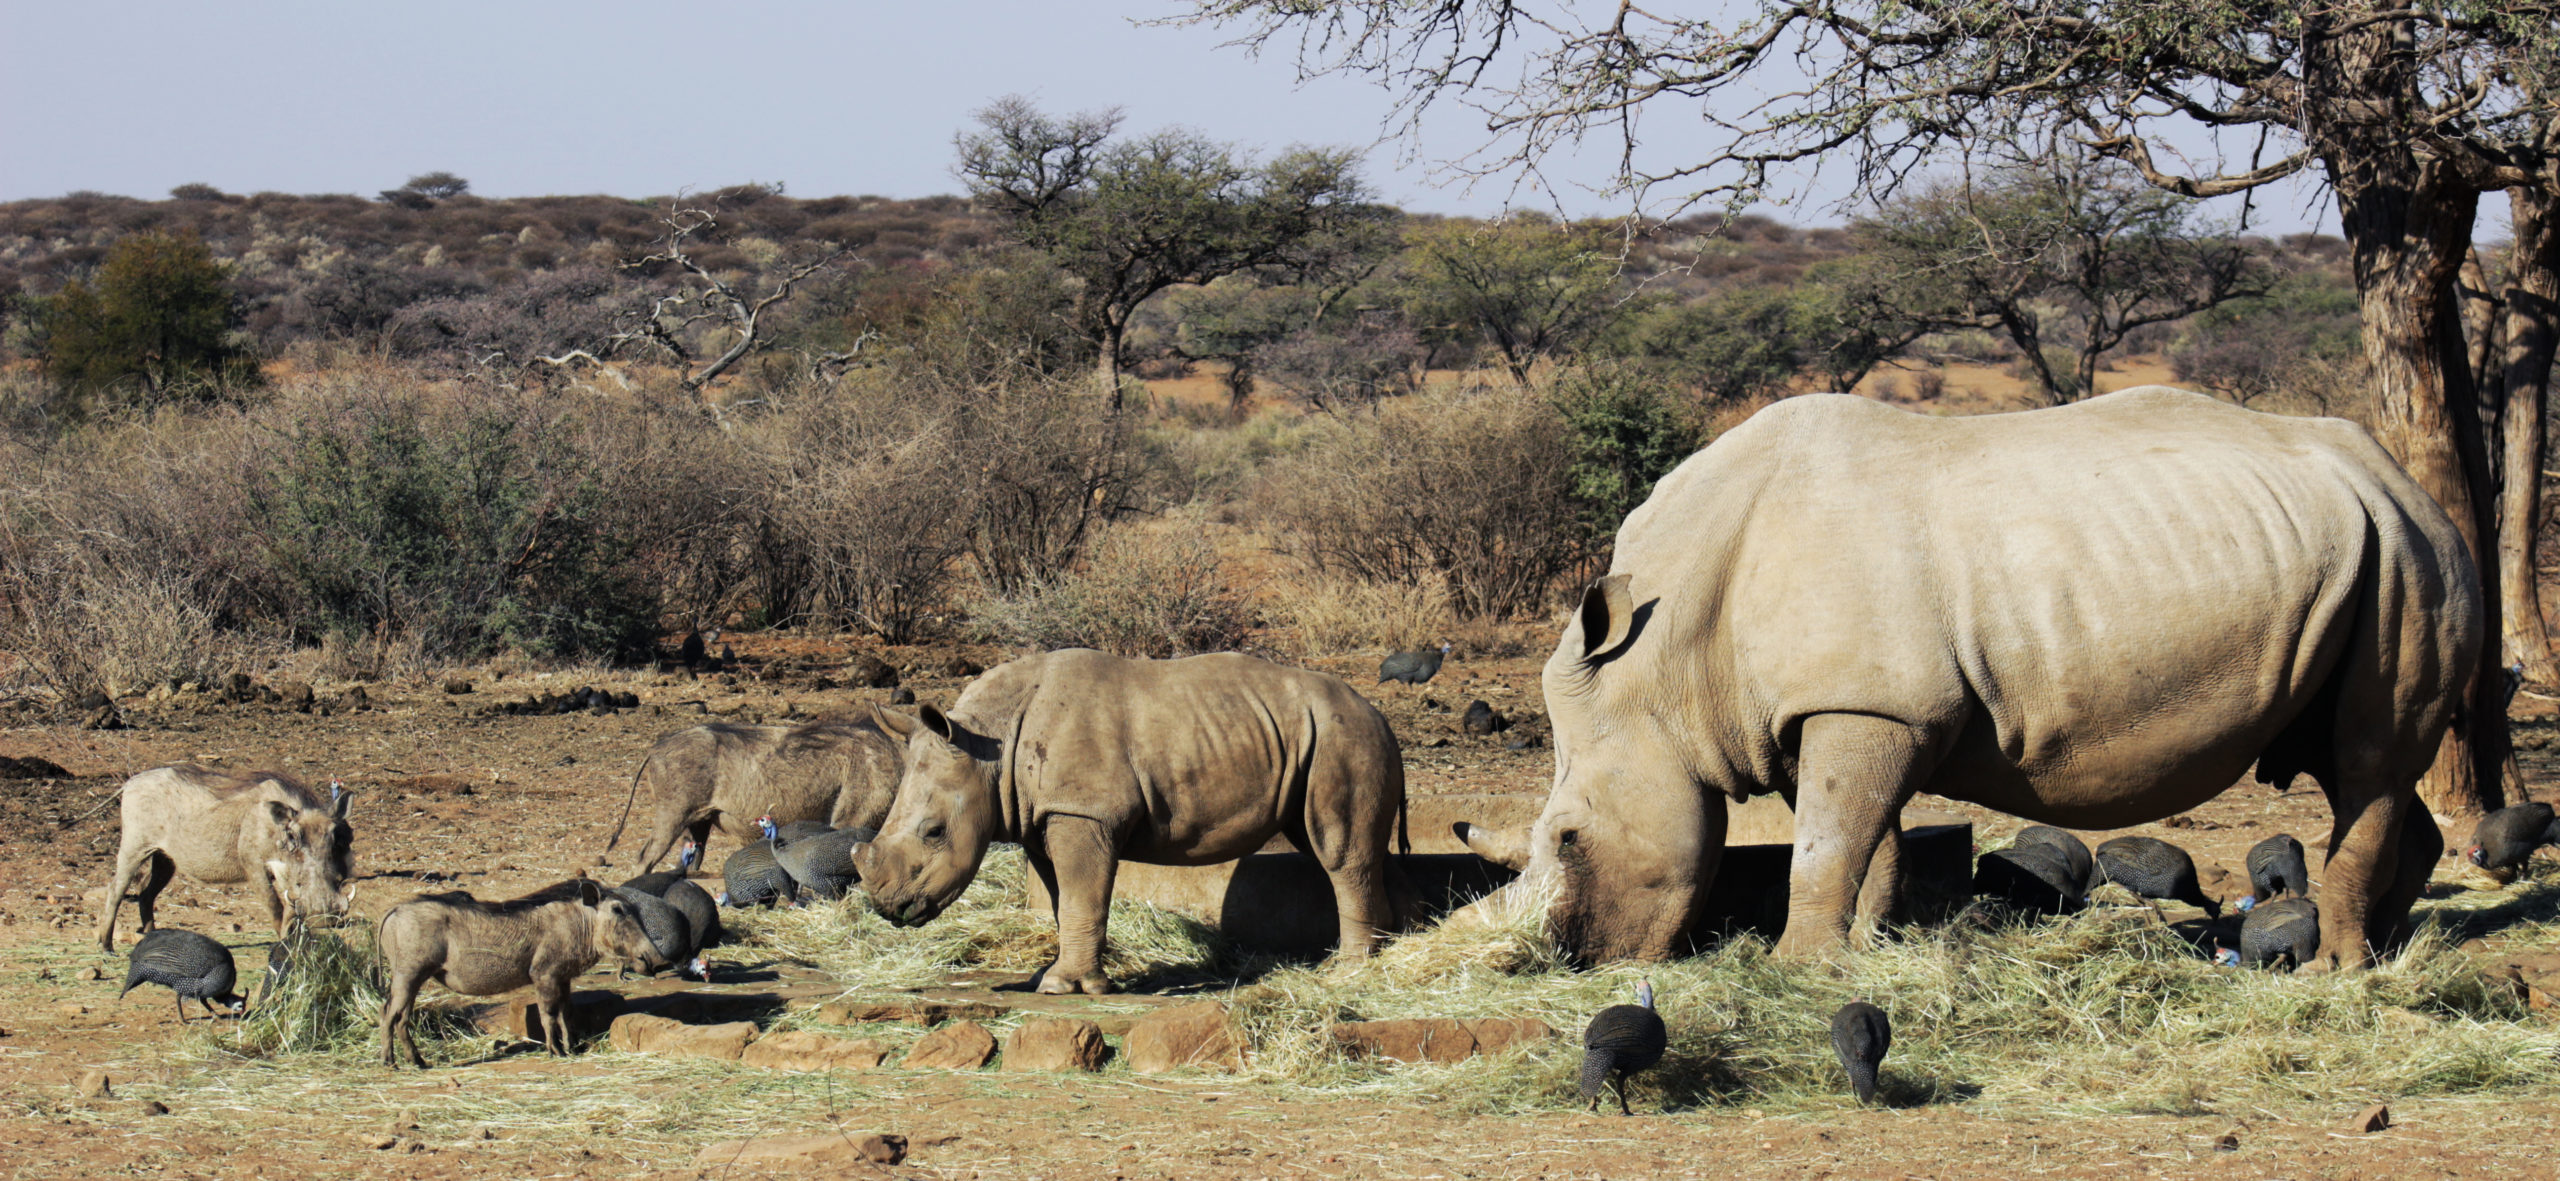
72, 1010
237, 689
923, 1013
31, 768
154, 1107
2371, 1119
406, 1121
457, 686
2229, 1142
1056, 1044
87, 974
95, 1085
295, 695
961, 1045
105, 719
803, 1050
1177, 1036
878, 1148
1526, 742
1482, 719
962, 666
385, 1143
1499, 1033
902, 696
644, 1033
1426, 1039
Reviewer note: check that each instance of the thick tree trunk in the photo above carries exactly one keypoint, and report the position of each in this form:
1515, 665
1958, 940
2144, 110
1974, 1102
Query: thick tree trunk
2531, 331
2409, 226
1107, 367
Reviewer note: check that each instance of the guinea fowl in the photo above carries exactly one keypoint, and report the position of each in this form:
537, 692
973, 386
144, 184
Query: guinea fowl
1621, 1040
668, 929
2074, 851
688, 855
1860, 1035
2154, 868
752, 876
2276, 869
1412, 668
2286, 930
823, 864
191, 965
2505, 839
2034, 879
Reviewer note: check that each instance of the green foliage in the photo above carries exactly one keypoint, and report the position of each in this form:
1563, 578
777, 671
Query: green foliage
155, 324
1625, 435
1132, 218
1532, 289
1735, 344
2249, 348
470, 532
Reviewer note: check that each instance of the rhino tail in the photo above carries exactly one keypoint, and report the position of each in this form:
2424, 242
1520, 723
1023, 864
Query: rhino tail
1404, 827
627, 801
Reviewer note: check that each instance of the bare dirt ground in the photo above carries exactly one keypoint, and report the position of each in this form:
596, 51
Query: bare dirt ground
498, 804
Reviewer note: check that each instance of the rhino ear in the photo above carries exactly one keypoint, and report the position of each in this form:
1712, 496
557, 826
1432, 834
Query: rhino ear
940, 723
1607, 614
893, 723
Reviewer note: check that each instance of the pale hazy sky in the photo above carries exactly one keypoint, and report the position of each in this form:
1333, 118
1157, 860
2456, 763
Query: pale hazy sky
646, 97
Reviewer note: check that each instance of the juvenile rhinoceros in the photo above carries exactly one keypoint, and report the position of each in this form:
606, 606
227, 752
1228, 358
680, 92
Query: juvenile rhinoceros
1086, 760
727, 776
2093, 616
264, 829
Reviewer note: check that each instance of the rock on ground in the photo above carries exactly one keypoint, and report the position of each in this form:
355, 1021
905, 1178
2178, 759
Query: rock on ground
961, 1045
803, 1050
1196, 1034
1056, 1044
649, 1034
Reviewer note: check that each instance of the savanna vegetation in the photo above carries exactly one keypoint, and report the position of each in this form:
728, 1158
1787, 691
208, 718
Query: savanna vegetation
1148, 392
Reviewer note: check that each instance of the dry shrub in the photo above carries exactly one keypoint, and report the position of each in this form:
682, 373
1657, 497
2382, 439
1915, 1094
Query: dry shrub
1328, 614
1467, 489
861, 521
1156, 590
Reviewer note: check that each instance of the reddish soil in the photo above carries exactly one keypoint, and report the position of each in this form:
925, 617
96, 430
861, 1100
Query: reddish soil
497, 804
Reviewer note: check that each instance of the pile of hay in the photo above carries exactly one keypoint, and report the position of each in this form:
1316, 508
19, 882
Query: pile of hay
323, 995
2106, 1011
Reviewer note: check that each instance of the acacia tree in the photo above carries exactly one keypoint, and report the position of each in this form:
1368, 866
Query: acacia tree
156, 319
2409, 114
1131, 218
1530, 287
2091, 250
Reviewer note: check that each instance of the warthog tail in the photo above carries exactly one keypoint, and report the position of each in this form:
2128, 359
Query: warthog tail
627, 801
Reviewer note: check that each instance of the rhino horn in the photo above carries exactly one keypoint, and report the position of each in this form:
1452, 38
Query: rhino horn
1508, 848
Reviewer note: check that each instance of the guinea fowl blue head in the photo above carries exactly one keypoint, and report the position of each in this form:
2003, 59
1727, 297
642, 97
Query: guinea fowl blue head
2247, 901
2225, 957
1644, 993
2474, 854
765, 823
688, 855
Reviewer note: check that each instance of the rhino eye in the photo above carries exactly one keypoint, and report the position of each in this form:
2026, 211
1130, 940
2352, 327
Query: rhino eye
932, 830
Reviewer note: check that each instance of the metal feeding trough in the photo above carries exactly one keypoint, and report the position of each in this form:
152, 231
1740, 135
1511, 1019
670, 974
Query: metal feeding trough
1281, 901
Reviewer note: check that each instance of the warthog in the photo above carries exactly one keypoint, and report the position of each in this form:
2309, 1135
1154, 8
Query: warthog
725, 776
477, 948
263, 828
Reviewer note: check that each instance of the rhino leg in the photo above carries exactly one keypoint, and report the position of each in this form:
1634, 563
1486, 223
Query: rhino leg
1853, 773
1882, 895
2421, 845
1355, 865
2364, 860
1083, 862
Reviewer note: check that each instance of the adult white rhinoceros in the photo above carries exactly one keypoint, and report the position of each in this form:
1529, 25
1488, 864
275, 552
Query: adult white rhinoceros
2092, 616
